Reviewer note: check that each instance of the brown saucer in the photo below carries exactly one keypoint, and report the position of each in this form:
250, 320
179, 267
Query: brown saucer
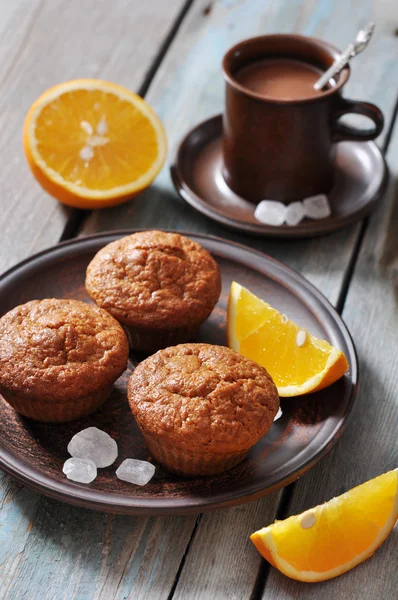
360, 180
34, 452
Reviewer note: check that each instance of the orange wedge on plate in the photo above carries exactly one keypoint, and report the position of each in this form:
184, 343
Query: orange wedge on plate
92, 144
332, 538
298, 362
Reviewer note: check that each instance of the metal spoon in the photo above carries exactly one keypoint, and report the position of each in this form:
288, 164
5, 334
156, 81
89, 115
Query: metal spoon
360, 43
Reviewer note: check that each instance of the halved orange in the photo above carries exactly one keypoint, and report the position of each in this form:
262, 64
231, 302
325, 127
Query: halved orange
92, 144
298, 362
332, 538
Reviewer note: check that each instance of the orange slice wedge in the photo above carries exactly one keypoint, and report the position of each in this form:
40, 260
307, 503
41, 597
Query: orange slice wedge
92, 144
332, 538
298, 362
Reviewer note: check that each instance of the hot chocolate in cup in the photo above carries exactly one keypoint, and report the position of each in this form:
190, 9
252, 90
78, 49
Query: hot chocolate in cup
279, 133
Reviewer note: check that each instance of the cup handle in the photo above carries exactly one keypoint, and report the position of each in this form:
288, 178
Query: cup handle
346, 132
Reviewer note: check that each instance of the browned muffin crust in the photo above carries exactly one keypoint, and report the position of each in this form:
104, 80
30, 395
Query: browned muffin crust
60, 349
154, 279
203, 397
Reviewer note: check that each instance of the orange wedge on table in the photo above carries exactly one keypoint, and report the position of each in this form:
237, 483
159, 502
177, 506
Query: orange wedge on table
332, 538
92, 144
298, 362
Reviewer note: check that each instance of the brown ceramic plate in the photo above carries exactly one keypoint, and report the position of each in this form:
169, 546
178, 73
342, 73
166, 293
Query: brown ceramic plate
34, 453
360, 179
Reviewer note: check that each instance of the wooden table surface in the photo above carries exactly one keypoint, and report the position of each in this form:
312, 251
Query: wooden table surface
170, 52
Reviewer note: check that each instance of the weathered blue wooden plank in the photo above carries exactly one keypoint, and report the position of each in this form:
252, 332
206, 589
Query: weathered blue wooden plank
81, 554
17, 509
370, 445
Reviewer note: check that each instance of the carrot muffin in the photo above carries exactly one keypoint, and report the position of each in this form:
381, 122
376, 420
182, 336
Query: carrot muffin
59, 358
161, 286
201, 407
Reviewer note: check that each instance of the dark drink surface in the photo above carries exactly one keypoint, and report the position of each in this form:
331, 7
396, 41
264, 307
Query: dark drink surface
280, 78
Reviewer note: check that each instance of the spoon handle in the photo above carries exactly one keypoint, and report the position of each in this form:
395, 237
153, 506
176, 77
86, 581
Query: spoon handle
360, 43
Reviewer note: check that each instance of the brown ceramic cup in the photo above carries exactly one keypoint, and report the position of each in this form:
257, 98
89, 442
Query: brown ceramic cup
285, 149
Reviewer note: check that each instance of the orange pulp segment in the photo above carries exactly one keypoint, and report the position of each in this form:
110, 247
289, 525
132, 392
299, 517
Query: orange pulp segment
298, 362
332, 538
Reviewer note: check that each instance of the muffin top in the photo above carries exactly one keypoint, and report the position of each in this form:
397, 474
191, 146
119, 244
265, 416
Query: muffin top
154, 279
203, 397
58, 349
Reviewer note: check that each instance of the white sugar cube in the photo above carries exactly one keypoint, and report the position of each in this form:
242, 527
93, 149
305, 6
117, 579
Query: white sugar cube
94, 444
135, 471
82, 470
270, 212
317, 207
294, 213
